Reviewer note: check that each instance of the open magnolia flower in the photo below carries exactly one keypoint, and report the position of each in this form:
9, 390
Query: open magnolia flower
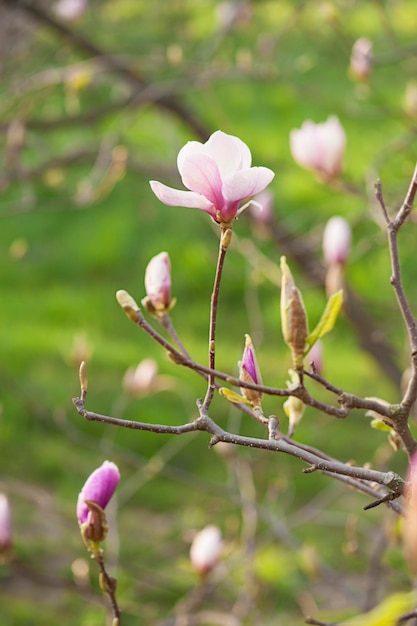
219, 176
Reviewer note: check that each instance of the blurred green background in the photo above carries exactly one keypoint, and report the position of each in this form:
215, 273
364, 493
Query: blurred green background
79, 142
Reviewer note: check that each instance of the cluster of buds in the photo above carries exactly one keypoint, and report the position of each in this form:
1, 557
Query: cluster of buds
320, 147
337, 238
206, 550
93, 499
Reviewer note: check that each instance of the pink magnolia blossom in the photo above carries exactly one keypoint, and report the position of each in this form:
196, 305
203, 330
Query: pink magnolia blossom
337, 238
250, 373
319, 147
316, 356
158, 281
206, 549
99, 487
219, 176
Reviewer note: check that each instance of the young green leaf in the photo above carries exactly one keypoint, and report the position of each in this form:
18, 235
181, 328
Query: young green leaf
327, 320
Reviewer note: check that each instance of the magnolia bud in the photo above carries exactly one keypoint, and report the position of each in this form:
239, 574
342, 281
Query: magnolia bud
249, 372
319, 147
5, 528
337, 236
93, 499
158, 284
206, 549
293, 316
141, 380
294, 409
315, 356
361, 59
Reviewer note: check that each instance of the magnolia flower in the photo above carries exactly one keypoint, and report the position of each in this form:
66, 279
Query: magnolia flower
5, 525
206, 549
250, 373
361, 59
218, 174
319, 147
337, 237
99, 488
158, 282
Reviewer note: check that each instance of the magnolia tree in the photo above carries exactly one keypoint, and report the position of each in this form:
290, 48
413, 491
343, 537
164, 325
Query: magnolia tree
220, 181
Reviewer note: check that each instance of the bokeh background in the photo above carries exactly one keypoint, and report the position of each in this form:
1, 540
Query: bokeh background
90, 110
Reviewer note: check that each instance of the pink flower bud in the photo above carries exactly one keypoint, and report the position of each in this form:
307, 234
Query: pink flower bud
99, 488
141, 380
158, 282
337, 237
319, 147
219, 176
250, 373
5, 525
70, 9
410, 519
361, 59
206, 549
316, 356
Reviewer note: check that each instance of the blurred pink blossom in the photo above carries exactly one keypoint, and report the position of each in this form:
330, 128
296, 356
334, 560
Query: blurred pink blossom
5, 525
361, 59
158, 281
206, 549
337, 238
218, 174
319, 147
70, 9
316, 356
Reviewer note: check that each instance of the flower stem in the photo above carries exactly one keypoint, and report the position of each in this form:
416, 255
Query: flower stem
225, 238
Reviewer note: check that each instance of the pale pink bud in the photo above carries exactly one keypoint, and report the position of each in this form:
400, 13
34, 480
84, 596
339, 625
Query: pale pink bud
99, 488
5, 525
337, 237
410, 519
262, 206
219, 176
319, 147
70, 9
361, 59
141, 380
206, 549
158, 282
315, 356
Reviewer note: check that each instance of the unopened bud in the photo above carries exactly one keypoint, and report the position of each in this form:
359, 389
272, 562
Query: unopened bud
361, 60
206, 549
249, 372
96, 528
128, 305
294, 409
141, 380
158, 284
293, 316
337, 236
5, 528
